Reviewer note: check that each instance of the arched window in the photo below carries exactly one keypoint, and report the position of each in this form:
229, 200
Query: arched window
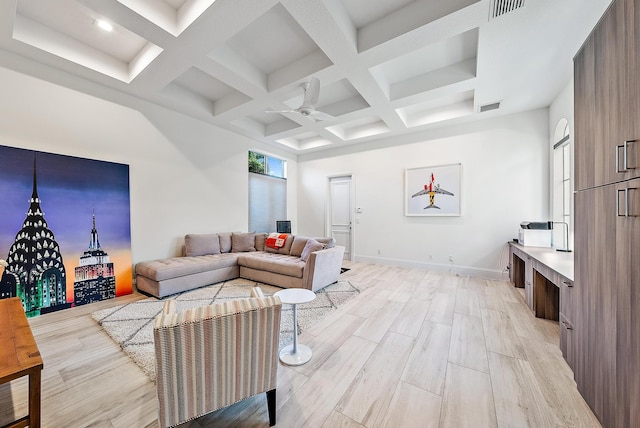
562, 189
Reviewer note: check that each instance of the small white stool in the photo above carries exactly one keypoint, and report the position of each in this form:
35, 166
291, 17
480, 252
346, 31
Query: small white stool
295, 355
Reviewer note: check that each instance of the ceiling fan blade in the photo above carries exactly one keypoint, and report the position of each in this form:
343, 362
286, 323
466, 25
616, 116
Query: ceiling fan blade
281, 111
318, 115
311, 93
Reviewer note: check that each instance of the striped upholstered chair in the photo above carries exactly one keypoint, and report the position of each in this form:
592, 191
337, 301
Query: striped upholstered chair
213, 356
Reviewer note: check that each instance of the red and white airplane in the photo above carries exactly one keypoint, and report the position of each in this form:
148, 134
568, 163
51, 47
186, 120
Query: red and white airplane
431, 190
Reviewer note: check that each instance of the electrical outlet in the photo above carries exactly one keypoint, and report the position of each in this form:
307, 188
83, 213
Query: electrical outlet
379, 252
451, 259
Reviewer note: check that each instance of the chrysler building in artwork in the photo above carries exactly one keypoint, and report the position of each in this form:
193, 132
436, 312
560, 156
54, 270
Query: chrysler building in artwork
35, 271
94, 277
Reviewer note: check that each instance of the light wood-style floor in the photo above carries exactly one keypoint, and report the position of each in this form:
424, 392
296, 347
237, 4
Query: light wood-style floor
416, 349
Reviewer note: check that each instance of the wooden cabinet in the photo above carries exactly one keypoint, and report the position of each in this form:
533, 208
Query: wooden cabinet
606, 90
604, 345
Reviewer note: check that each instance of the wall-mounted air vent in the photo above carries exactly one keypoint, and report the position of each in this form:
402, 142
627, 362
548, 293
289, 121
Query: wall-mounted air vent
492, 106
502, 7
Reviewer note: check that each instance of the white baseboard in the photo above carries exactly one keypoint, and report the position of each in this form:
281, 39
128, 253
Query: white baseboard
439, 267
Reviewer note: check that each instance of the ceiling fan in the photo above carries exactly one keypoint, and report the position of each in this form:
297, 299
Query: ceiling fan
308, 108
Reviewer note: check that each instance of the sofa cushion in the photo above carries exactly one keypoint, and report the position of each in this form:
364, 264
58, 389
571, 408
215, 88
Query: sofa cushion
260, 239
201, 244
285, 249
162, 269
311, 246
225, 242
298, 245
270, 262
243, 242
328, 242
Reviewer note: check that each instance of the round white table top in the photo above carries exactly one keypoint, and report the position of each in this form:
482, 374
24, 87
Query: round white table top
294, 296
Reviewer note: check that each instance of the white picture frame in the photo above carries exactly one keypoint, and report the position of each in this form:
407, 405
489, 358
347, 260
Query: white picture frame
433, 191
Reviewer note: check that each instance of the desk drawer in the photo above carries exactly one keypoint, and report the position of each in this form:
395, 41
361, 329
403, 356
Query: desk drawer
567, 298
568, 342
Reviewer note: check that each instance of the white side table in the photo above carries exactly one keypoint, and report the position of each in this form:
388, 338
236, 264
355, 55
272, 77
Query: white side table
295, 355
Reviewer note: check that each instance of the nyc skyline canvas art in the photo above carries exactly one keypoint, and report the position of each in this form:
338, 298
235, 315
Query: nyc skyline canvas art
64, 229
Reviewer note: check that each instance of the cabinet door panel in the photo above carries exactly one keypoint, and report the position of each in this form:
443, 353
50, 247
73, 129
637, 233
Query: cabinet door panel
605, 86
584, 116
628, 304
595, 324
632, 87
610, 83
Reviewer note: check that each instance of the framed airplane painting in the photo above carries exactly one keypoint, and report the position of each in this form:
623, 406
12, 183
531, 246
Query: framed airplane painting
433, 190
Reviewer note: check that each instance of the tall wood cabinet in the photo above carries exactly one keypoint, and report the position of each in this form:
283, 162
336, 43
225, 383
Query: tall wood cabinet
606, 334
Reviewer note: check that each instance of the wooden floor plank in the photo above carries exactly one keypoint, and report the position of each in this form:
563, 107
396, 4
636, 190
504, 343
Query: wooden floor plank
368, 396
468, 399
376, 326
500, 335
338, 420
412, 407
557, 385
517, 395
427, 364
411, 317
312, 404
468, 347
467, 301
442, 307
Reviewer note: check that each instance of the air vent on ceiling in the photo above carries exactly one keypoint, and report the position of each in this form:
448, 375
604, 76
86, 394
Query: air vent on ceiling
502, 7
492, 106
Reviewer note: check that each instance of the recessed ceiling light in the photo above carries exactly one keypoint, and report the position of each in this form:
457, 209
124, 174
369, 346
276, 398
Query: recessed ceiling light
106, 26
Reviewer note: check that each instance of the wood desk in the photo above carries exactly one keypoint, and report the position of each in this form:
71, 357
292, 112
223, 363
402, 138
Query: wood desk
543, 272
19, 356
547, 277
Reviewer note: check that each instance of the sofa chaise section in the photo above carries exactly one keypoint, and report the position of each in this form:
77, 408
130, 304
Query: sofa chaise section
164, 277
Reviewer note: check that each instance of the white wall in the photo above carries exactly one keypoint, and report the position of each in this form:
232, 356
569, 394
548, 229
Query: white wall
185, 176
505, 173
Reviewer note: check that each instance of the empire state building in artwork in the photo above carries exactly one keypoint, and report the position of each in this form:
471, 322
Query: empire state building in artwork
94, 277
35, 271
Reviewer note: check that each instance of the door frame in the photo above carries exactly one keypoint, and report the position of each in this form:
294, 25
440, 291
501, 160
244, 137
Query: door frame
352, 197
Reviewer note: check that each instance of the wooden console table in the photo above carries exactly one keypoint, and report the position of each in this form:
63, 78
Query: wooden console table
19, 356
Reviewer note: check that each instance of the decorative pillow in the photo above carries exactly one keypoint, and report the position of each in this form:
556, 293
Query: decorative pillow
243, 242
328, 242
298, 245
201, 244
225, 242
311, 246
260, 238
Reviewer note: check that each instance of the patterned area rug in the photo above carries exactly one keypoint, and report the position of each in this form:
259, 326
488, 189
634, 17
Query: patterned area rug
131, 325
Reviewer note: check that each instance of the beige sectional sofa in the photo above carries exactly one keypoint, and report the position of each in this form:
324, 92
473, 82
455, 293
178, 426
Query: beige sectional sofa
300, 262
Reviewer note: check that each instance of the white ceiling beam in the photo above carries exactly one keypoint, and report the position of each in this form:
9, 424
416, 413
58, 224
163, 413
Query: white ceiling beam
402, 21
319, 24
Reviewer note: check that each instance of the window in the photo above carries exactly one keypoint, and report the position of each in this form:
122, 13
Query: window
562, 186
263, 164
267, 192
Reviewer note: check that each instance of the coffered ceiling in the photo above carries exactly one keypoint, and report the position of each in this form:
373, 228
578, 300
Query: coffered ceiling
386, 67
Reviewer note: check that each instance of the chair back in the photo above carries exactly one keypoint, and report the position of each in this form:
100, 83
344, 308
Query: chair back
213, 356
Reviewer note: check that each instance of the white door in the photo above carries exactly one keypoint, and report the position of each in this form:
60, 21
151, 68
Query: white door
339, 220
